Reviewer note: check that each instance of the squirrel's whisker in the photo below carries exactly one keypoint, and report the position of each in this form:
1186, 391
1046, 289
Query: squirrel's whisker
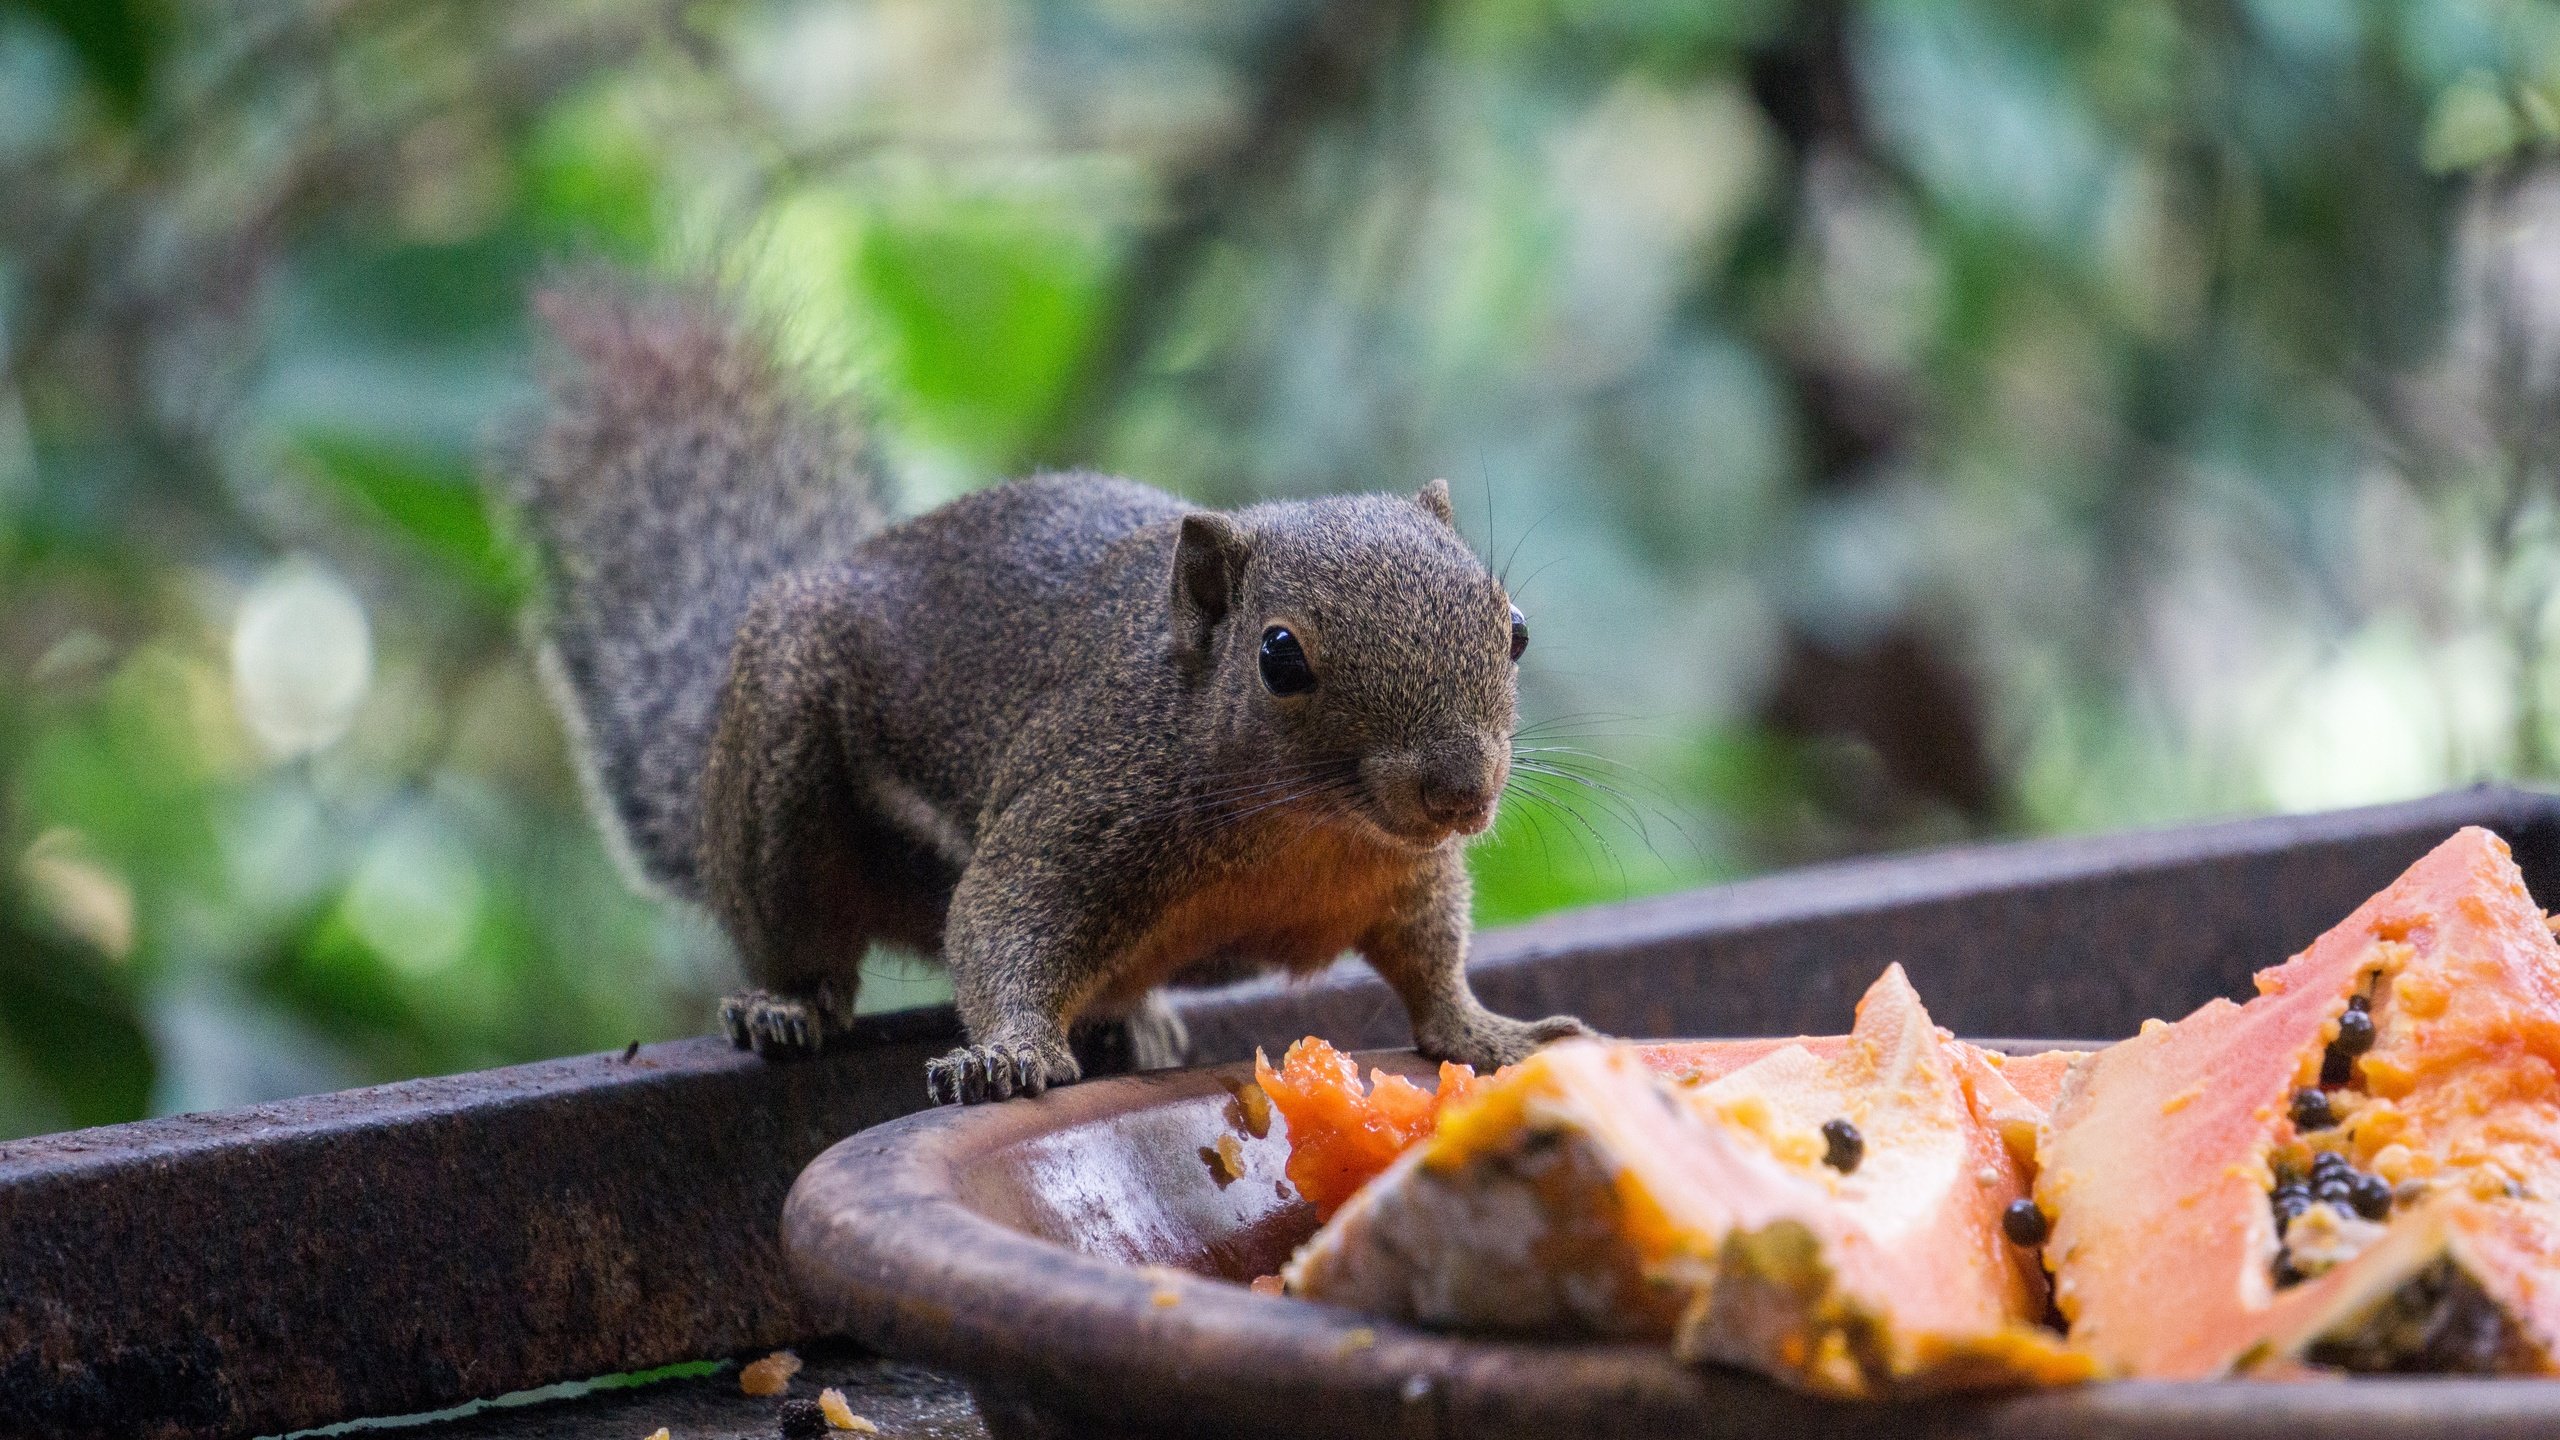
1194, 800
1537, 827
1626, 810
1569, 718
1609, 799
1503, 572
1533, 577
1548, 728
1579, 762
1554, 734
1586, 822
1287, 801
1649, 793
1633, 812
1579, 837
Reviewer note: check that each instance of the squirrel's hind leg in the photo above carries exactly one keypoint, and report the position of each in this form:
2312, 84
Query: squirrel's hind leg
791, 860
782, 1026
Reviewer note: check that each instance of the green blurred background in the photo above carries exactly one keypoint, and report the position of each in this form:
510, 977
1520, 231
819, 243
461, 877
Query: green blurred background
1914, 420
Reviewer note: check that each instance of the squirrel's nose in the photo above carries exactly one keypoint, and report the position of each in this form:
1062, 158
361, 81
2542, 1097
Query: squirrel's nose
1450, 790
1460, 800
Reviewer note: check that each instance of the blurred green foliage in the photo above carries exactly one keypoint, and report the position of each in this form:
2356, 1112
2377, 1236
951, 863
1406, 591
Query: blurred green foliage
986, 311
1903, 421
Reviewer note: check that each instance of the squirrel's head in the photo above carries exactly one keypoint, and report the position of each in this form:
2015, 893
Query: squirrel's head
1362, 656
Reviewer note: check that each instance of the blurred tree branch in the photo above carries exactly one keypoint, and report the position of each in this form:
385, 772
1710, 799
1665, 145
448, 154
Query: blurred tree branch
1903, 693
107, 257
1330, 64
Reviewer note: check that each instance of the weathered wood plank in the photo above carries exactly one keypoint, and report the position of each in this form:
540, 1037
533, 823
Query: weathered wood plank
410, 1246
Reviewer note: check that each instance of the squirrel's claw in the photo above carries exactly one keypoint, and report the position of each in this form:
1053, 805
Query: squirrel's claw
976, 1073
777, 1027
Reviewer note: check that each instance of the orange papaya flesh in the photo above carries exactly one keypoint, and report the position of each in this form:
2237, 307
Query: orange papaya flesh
1342, 1133
2037, 1077
2163, 1158
1580, 1192
1701, 1062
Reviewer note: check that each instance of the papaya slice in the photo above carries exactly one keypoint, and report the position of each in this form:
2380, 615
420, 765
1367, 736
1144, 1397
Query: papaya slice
1344, 1132
1828, 1215
2357, 1169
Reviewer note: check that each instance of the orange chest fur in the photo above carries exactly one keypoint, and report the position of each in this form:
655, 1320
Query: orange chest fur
1296, 908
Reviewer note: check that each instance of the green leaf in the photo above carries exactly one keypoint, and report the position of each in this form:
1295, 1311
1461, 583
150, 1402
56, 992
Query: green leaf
2471, 126
72, 1025
329, 976
989, 311
2540, 116
118, 42
134, 772
592, 174
428, 500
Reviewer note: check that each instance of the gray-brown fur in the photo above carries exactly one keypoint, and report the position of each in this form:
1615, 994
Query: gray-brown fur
1028, 732
676, 474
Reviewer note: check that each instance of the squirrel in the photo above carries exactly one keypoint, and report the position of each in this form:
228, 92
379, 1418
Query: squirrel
1069, 734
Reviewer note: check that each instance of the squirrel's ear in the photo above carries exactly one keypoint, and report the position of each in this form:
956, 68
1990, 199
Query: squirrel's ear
1208, 566
1434, 497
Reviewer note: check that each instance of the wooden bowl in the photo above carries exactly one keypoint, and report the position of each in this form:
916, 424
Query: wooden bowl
1079, 1262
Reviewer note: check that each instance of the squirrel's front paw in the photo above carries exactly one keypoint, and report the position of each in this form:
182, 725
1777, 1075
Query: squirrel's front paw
1000, 1071
1491, 1041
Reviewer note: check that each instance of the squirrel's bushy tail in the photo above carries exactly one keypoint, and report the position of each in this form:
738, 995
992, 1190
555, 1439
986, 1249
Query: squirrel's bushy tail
677, 471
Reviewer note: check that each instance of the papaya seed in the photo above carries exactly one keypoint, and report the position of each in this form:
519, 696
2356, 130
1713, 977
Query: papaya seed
2025, 1224
2289, 1202
1843, 1146
2311, 1112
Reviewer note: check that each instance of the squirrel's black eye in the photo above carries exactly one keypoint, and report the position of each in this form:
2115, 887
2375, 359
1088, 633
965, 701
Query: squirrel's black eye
1519, 633
1284, 663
